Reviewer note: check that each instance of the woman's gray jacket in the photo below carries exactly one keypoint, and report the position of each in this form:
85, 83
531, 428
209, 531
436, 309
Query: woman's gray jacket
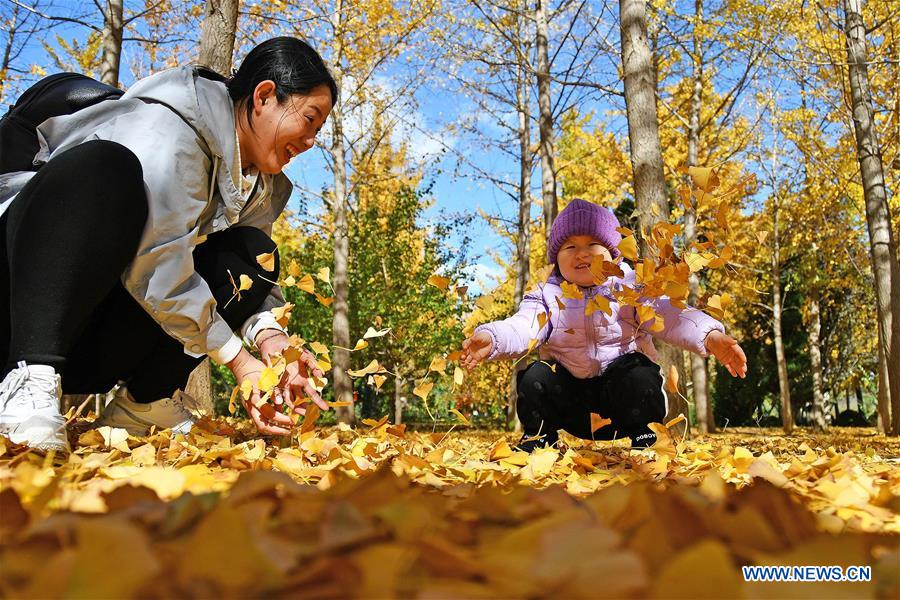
181, 127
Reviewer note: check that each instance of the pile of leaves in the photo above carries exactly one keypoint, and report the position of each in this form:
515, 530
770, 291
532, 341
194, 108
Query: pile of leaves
382, 512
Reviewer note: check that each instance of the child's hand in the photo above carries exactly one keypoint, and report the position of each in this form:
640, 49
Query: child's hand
476, 349
726, 349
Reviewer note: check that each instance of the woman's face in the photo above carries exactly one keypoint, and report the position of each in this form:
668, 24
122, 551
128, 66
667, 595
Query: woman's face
574, 259
280, 130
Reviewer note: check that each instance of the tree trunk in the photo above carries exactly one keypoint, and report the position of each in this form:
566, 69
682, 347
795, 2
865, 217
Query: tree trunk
698, 363
787, 417
545, 122
112, 42
398, 399
343, 386
815, 358
523, 238
13, 24
217, 35
643, 136
881, 240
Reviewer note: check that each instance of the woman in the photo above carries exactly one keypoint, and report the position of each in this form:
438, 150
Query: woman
117, 255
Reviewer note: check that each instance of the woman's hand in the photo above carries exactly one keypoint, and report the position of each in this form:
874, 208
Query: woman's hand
726, 349
295, 383
476, 349
266, 417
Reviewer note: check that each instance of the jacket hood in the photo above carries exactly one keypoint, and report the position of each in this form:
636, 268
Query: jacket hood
205, 105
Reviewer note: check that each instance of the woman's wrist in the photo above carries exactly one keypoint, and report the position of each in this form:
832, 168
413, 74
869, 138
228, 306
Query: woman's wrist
271, 341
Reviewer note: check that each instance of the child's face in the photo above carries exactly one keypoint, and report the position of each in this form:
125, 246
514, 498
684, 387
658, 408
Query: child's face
574, 259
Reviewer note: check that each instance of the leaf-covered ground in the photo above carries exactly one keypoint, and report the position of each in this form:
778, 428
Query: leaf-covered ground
379, 512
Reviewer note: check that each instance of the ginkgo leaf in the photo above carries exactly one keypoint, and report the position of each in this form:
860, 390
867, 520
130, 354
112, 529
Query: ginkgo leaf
628, 247
722, 216
423, 389
560, 304
531, 345
458, 376
438, 364
289, 281
246, 389
460, 416
360, 345
283, 314
266, 261
246, 283
571, 290
232, 402
318, 347
485, 302
442, 283
598, 302
704, 178
542, 320
294, 269
323, 300
695, 261
598, 422
306, 284
371, 332
379, 381
268, 379
454, 355
672, 380
372, 367
324, 275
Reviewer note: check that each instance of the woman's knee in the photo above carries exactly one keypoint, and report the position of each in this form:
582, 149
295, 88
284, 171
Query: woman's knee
100, 177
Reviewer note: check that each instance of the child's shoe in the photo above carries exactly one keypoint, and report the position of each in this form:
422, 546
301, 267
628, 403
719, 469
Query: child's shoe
644, 439
530, 442
29, 408
137, 418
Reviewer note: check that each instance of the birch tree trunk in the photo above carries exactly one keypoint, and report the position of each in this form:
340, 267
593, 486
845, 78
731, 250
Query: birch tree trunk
815, 358
112, 42
523, 238
343, 386
643, 136
787, 417
699, 380
882, 245
398, 399
218, 35
545, 121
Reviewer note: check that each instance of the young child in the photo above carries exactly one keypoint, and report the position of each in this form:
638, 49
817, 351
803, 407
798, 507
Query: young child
595, 363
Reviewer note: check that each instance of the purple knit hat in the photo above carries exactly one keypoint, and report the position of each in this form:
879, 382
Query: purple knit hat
581, 217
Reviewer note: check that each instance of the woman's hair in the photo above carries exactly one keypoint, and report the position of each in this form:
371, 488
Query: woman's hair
294, 66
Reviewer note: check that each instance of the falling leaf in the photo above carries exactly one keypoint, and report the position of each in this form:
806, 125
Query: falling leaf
695, 261
438, 364
761, 236
371, 332
442, 283
704, 178
598, 422
560, 304
318, 348
307, 284
485, 302
455, 355
460, 416
379, 381
323, 300
598, 302
371, 368
628, 247
672, 381
423, 389
294, 269
266, 261
458, 376
324, 275
571, 290
283, 314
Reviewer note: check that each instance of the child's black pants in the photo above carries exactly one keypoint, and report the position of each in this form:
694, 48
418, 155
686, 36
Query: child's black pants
64, 243
629, 392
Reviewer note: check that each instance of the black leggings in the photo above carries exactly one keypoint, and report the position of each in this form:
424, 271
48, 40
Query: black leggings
64, 243
629, 392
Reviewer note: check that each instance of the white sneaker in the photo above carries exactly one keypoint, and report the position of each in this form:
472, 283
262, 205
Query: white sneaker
137, 418
29, 408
